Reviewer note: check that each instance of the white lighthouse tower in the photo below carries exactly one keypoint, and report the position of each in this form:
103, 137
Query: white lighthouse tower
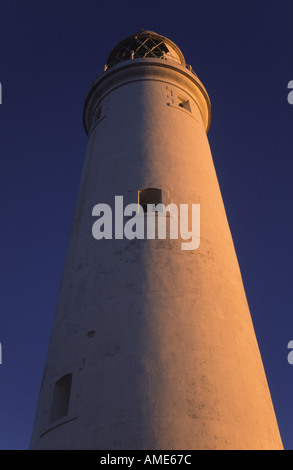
152, 346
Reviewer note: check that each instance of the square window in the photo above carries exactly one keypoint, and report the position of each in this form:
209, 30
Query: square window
184, 103
150, 196
61, 397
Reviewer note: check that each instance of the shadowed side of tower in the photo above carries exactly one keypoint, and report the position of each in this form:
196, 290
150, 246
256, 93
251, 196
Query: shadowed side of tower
152, 346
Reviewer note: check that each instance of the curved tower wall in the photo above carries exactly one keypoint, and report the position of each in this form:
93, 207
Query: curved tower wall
158, 341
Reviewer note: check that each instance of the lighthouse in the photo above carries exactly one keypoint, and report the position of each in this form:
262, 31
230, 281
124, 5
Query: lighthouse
152, 345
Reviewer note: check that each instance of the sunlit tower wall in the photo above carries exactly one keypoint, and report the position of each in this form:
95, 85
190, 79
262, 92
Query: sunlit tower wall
152, 346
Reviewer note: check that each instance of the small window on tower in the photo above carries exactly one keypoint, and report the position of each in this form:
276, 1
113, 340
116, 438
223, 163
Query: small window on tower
61, 397
183, 103
150, 196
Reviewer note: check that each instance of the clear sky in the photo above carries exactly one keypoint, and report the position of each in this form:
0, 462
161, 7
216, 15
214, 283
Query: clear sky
50, 53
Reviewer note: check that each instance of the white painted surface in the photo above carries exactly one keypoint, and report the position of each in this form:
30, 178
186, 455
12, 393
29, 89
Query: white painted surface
159, 340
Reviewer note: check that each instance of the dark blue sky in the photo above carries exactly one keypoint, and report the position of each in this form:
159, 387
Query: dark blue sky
50, 52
